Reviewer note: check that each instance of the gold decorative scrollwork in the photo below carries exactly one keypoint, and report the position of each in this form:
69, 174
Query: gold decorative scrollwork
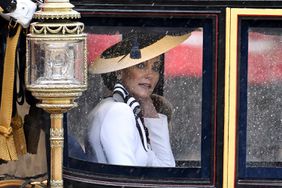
70, 15
57, 143
56, 133
55, 28
57, 116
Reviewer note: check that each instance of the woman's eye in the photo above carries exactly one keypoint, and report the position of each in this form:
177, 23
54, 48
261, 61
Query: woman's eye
140, 66
157, 67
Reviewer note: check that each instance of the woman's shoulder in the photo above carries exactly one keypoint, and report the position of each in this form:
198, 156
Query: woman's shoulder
116, 113
109, 106
119, 108
111, 111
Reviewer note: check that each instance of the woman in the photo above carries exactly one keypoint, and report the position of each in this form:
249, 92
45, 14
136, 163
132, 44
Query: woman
126, 128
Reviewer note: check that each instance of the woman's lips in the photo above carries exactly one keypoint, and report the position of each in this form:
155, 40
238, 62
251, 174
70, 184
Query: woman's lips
145, 85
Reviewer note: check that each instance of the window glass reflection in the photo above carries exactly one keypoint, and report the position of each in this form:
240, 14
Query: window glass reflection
182, 87
264, 113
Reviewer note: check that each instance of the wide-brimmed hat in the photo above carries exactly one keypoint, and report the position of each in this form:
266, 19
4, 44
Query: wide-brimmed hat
135, 48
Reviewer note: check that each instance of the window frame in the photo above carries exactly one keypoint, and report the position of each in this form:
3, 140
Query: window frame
235, 131
72, 174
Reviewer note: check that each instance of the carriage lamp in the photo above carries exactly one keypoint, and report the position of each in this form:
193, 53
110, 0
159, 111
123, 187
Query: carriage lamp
56, 70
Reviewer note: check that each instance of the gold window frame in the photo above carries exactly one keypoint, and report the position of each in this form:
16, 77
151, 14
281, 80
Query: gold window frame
231, 79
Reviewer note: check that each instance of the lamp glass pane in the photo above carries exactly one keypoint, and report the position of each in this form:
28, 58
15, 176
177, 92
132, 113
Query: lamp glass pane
56, 62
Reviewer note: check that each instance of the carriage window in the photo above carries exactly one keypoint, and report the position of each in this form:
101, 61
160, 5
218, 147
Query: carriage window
185, 80
183, 88
260, 100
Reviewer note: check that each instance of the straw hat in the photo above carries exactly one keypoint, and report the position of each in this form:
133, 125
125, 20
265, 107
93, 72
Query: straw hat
135, 48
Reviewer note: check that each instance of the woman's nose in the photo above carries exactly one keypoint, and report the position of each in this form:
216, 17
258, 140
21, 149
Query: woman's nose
149, 73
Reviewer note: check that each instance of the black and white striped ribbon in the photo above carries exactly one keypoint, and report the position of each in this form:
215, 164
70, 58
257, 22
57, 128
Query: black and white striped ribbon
120, 94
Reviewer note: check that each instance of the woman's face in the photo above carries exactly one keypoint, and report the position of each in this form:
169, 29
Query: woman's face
140, 80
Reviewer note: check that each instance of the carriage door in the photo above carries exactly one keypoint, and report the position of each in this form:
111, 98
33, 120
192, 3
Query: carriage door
253, 98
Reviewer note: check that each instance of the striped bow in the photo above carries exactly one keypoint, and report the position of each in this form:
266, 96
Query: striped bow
120, 94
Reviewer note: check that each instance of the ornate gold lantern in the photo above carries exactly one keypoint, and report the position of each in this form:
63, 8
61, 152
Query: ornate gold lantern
56, 71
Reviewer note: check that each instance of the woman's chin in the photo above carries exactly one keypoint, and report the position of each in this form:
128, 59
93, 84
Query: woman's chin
142, 96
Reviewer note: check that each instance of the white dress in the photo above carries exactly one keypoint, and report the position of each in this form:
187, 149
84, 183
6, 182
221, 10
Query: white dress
114, 137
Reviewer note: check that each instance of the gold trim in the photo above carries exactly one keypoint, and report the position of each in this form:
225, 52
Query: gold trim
56, 183
56, 88
57, 15
57, 9
56, 97
85, 63
56, 28
56, 101
57, 108
53, 37
56, 133
230, 98
56, 116
57, 143
255, 12
11, 183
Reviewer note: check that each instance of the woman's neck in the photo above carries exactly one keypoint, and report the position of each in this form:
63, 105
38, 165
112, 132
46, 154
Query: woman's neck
147, 107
